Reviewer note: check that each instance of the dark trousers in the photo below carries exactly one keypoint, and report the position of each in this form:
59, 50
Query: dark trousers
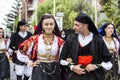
20, 77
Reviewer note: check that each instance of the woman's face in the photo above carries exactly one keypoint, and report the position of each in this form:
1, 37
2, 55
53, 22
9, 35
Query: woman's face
109, 29
23, 28
48, 26
1, 33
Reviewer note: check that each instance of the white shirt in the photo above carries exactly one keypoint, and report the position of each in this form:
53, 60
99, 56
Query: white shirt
23, 35
84, 40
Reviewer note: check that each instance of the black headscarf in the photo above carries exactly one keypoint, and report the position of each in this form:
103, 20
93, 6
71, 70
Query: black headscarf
101, 30
84, 18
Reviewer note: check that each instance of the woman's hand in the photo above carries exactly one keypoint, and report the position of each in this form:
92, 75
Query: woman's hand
29, 63
15, 51
33, 64
36, 63
78, 70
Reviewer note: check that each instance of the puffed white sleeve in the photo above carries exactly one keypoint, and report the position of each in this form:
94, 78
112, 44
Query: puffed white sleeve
117, 46
23, 57
107, 65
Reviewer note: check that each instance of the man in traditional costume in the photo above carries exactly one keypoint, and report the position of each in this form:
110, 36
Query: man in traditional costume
4, 62
84, 53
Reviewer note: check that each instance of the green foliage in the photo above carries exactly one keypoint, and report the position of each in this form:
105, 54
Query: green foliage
69, 13
45, 7
70, 8
12, 16
112, 11
103, 2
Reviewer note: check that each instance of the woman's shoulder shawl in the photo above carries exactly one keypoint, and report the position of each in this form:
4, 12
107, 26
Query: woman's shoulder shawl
24, 46
60, 41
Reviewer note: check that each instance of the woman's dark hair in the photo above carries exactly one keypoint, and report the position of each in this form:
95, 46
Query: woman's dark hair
101, 30
39, 26
105, 26
20, 23
2, 31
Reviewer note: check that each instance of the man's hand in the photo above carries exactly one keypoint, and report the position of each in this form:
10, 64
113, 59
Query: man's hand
69, 60
90, 67
78, 70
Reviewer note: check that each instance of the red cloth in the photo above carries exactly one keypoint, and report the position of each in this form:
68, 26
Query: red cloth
24, 46
85, 60
35, 27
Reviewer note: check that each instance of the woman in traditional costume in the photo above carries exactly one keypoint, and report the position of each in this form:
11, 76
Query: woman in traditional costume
42, 50
4, 62
111, 40
18, 37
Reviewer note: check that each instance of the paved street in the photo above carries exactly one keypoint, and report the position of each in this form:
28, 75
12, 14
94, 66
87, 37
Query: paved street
12, 72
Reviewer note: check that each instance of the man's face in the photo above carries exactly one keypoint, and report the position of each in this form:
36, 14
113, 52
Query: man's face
78, 27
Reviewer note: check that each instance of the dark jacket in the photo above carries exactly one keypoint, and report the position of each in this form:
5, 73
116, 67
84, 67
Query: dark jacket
16, 39
99, 51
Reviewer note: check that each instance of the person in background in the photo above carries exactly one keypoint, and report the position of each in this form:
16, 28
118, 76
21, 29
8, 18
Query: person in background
84, 53
63, 70
111, 40
8, 36
42, 50
63, 34
18, 37
7, 42
4, 62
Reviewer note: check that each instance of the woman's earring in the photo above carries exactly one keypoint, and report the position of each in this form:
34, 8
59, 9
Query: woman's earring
43, 31
53, 31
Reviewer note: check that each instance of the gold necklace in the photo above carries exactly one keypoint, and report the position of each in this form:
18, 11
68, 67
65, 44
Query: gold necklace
48, 49
108, 39
48, 39
109, 42
108, 36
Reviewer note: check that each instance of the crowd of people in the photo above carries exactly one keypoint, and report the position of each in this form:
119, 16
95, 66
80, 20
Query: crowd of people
50, 54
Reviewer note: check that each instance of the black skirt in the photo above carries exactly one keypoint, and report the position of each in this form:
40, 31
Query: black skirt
4, 66
112, 74
46, 71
